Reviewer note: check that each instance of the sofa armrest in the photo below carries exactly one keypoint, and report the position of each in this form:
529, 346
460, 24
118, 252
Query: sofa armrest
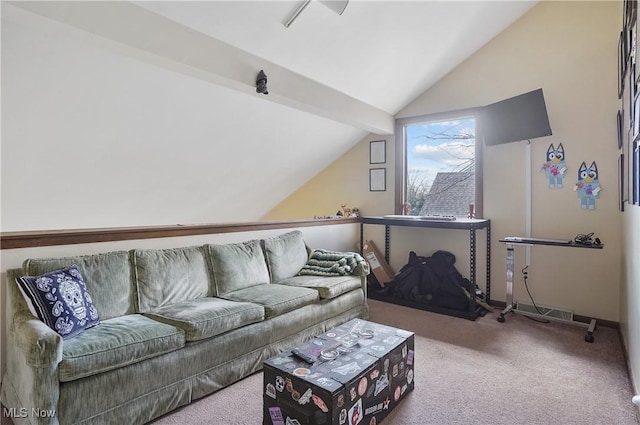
34, 352
362, 269
40, 346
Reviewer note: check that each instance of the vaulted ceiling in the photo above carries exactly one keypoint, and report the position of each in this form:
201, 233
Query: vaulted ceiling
332, 80
383, 53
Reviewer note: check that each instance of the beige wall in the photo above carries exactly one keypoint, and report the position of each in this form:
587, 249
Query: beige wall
346, 181
568, 49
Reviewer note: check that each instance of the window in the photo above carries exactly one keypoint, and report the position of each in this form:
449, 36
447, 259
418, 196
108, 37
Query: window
438, 165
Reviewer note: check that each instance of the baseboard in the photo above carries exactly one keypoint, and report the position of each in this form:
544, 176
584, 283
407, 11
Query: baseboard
635, 385
583, 319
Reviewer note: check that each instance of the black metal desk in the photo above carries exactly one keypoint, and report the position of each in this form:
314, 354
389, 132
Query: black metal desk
591, 326
461, 224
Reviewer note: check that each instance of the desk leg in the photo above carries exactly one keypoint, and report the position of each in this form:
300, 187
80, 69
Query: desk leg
472, 269
591, 326
387, 242
509, 305
488, 251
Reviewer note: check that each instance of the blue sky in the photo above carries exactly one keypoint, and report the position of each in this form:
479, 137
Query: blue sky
429, 156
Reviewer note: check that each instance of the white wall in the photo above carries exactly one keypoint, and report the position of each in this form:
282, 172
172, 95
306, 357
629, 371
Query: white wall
99, 134
630, 296
106, 135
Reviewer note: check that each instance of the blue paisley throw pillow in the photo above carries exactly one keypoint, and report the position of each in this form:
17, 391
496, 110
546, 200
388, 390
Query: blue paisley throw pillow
61, 300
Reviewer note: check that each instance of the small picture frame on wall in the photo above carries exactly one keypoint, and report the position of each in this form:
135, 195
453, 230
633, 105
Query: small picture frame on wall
632, 81
629, 12
621, 197
619, 122
377, 179
635, 170
636, 61
378, 152
621, 63
625, 166
631, 106
632, 34
636, 117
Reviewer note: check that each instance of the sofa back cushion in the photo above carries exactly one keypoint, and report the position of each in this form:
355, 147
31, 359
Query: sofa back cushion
107, 277
168, 276
285, 254
237, 266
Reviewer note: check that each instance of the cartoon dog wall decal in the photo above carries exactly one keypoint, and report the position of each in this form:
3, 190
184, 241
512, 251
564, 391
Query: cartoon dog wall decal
555, 168
588, 185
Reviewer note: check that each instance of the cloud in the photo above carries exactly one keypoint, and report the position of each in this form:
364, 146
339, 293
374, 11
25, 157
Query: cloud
450, 153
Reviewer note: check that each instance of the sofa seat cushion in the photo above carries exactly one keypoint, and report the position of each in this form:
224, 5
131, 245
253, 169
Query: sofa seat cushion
327, 287
207, 317
115, 343
276, 299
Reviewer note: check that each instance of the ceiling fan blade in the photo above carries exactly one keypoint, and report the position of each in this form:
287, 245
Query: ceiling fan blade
337, 6
298, 11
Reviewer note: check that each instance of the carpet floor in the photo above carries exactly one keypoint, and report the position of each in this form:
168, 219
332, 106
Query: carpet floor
476, 372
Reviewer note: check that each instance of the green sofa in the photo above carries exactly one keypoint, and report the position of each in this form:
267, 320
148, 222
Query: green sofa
175, 325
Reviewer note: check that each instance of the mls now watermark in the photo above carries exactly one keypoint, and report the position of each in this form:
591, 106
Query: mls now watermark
23, 412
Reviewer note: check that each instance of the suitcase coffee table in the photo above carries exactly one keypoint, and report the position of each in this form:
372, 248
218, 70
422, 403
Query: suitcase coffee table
355, 373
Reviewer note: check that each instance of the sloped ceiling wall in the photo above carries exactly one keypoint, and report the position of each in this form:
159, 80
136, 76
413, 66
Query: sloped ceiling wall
117, 116
96, 134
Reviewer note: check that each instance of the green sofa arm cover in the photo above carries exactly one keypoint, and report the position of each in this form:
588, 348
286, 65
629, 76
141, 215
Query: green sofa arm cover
362, 269
39, 344
33, 353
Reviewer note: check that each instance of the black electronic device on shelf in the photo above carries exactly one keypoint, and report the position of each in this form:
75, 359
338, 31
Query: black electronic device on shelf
587, 240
